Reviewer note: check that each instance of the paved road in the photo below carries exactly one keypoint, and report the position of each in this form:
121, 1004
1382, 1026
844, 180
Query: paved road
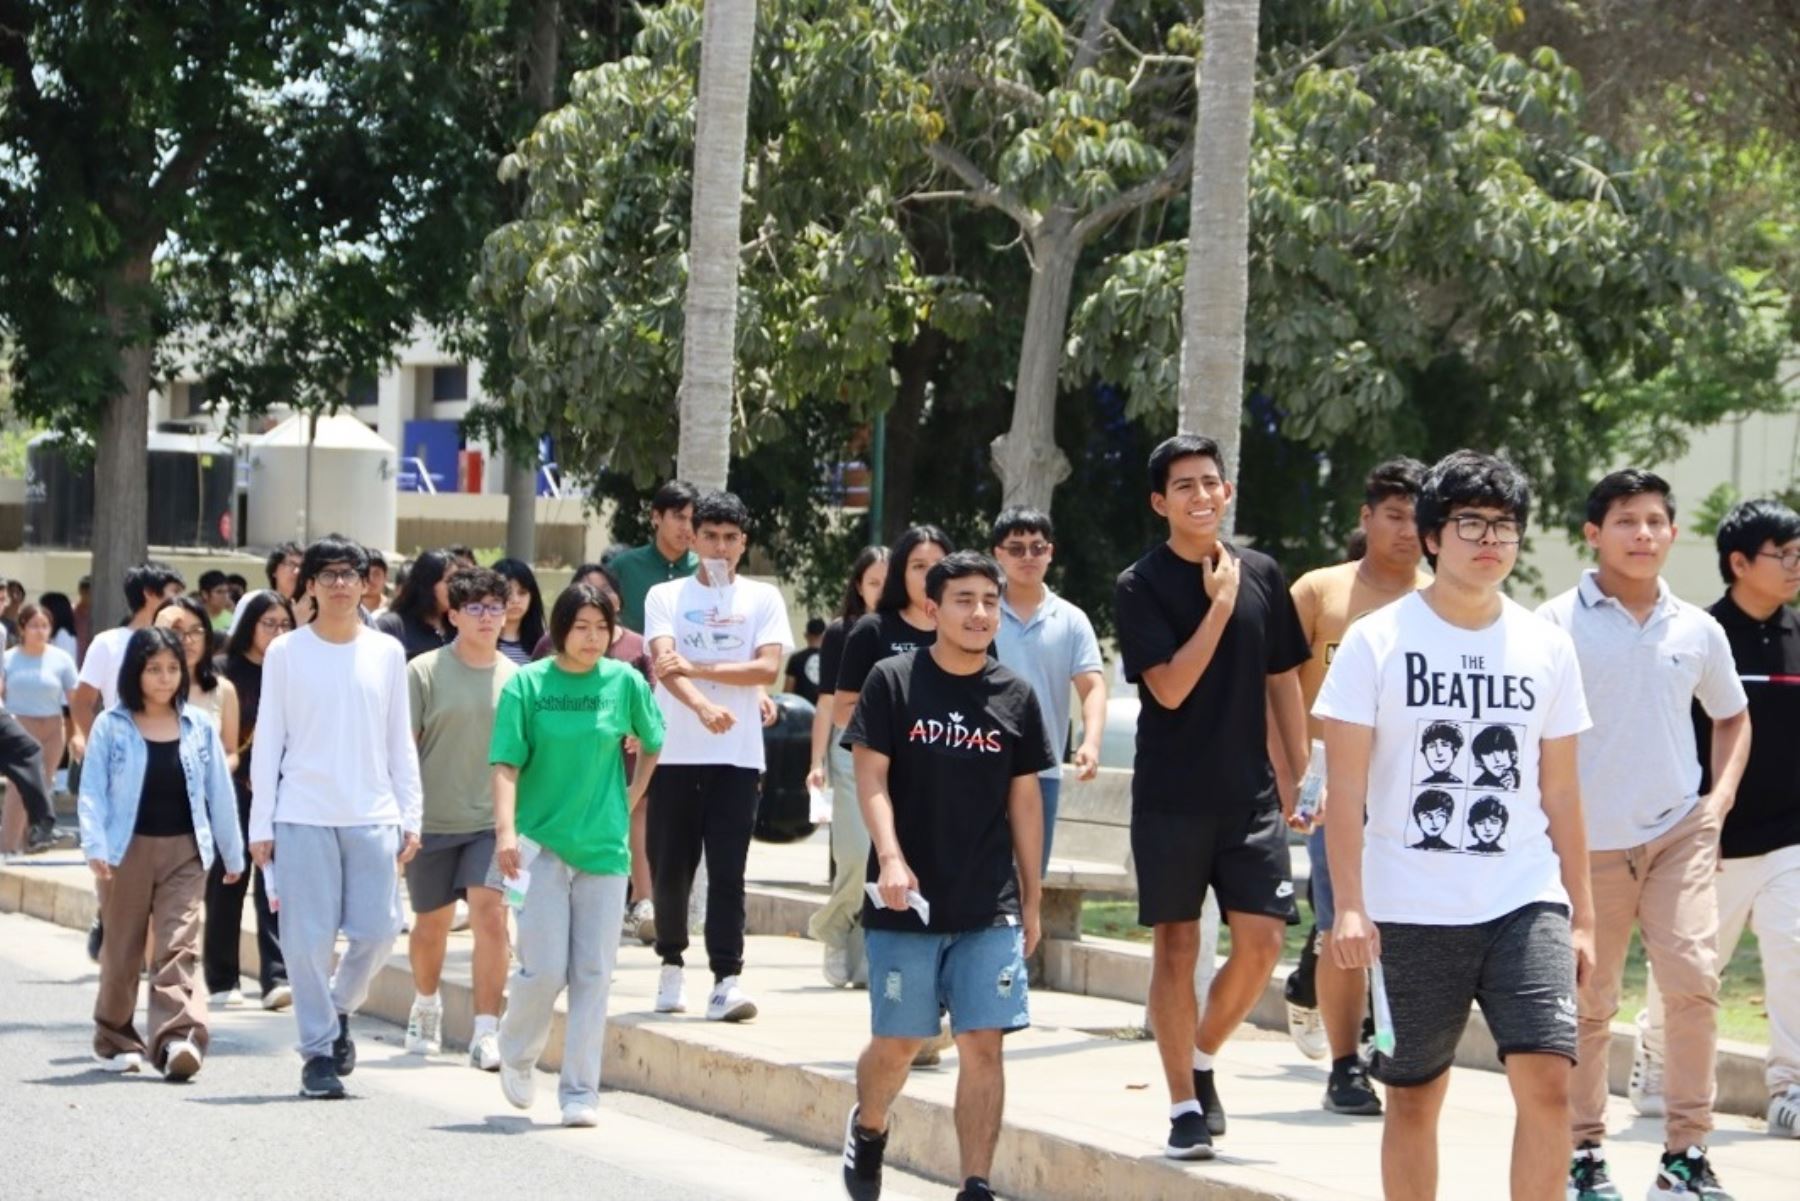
411, 1129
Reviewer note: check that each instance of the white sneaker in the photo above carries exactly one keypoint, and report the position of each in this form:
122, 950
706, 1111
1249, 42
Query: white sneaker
459, 920
1645, 1087
125, 1061
1307, 1029
425, 1028
671, 990
1784, 1113
181, 1061
641, 921
231, 998
581, 1115
519, 1085
837, 966
279, 997
729, 1003
484, 1052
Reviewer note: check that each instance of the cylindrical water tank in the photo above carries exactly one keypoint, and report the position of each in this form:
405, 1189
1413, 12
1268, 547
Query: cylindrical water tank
351, 473
190, 489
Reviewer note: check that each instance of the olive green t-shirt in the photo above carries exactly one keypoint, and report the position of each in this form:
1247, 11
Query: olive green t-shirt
563, 733
453, 708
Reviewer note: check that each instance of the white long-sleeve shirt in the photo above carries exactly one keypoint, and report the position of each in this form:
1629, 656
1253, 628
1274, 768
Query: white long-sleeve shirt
334, 743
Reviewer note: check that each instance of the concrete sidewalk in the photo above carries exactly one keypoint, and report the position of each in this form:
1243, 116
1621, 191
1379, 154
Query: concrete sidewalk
1086, 1110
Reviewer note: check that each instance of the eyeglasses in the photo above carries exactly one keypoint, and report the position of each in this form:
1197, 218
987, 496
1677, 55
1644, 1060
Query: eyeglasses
275, 625
1789, 559
1471, 528
1021, 550
480, 610
339, 579
192, 635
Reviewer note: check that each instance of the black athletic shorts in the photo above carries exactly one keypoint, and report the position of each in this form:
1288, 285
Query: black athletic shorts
1519, 966
1242, 856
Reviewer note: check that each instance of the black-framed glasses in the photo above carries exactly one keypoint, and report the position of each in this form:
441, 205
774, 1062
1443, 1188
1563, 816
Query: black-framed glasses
198, 635
1789, 558
341, 578
275, 625
1473, 528
480, 610
1026, 550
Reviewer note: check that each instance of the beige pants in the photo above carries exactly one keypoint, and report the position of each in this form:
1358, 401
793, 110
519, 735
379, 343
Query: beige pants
1666, 888
50, 735
160, 882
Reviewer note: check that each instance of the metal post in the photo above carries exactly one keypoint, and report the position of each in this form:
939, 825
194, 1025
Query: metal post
878, 480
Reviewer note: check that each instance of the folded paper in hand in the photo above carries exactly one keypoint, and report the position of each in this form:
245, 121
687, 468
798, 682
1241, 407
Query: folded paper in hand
914, 901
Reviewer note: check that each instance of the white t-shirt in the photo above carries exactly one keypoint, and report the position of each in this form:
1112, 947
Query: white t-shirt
716, 625
1456, 833
101, 667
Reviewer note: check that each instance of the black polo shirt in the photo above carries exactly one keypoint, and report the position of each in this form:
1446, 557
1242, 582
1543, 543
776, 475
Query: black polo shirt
1766, 816
1210, 753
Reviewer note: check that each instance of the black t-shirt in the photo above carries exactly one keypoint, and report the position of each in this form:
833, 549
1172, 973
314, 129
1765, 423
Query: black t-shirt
1210, 754
873, 638
954, 746
803, 665
414, 635
1766, 816
163, 809
831, 654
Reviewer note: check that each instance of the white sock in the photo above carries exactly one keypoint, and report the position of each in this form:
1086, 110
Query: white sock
1202, 1061
1181, 1107
428, 1000
486, 1023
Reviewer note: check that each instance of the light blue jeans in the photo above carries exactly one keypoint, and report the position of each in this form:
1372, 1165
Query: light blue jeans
1051, 787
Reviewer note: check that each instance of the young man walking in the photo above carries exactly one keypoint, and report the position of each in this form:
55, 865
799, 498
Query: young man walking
1759, 874
1049, 643
1328, 600
669, 555
1647, 658
948, 745
1451, 914
718, 640
335, 804
1209, 634
454, 692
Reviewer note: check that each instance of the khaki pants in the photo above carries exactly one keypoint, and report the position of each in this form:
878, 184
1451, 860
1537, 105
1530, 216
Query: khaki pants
160, 882
1667, 889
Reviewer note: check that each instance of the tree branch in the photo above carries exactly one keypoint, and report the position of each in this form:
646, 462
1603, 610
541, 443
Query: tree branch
15, 57
983, 191
1145, 61
1167, 182
181, 168
1287, 74
1087, 52
974, 81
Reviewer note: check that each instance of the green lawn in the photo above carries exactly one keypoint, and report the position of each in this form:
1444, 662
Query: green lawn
1741, 1012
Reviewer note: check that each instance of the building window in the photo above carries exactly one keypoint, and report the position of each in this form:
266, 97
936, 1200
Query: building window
450, 382
361, 391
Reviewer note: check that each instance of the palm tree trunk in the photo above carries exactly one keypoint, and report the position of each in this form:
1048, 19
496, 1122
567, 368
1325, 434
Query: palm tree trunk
1026, 457
1218, 267
722, 108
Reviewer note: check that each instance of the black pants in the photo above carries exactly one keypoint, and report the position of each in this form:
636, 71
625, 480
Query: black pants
696, 810
22, 762
225, 918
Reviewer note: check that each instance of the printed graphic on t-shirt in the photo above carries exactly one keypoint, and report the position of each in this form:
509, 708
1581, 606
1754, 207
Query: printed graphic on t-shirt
952, 734
1461, 772
708, 631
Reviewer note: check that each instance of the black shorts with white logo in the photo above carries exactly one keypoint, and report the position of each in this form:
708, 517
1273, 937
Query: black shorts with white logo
1242, 856
1519, 966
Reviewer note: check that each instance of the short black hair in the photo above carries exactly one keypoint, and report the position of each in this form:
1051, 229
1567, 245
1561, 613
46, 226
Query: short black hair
1495, 738
332, 548
962, 564
376, 559
1181, 446
1019, 520
1432, 800
1487, 808
586, 568
569, 604
893, 589
461, 551
212, 579
1468, 477
1442, 731
676, 494
472, 583
140, 648
1632, 481
1399, 477
204, 674
237, 580
1748, 526
279, 553
721, 508
815, 626
148, 579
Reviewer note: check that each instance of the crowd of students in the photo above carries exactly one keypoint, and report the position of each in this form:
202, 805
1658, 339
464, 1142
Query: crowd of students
1506, 795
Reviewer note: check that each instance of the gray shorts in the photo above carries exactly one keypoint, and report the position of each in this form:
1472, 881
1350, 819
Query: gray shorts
446, 867
1519, 966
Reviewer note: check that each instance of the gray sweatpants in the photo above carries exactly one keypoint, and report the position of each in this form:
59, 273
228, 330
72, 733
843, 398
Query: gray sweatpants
334, 878
568, 937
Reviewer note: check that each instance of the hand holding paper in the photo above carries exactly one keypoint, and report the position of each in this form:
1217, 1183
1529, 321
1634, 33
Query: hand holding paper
914, 901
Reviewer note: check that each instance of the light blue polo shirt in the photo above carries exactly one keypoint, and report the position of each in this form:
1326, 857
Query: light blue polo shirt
1049, 651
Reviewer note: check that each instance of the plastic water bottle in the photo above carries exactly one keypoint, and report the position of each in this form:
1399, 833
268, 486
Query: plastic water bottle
1384, 1017
1312, 785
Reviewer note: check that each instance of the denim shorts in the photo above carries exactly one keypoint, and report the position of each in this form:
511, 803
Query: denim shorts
978, 976
1323, 903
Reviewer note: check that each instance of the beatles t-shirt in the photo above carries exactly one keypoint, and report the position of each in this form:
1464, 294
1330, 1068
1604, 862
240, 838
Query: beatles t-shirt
1456, 832
954, 746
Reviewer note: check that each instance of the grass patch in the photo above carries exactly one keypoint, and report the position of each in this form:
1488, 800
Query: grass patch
1742, 1013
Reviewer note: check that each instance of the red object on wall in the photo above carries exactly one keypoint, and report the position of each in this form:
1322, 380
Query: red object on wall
468, 471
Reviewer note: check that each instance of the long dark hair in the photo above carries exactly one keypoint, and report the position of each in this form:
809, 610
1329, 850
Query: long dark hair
417, 598
893, 590
853, 606
243, 634
531, 627
140, 648
205, 675
62, 613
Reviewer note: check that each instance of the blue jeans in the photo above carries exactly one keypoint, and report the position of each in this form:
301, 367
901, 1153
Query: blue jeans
1323, 903
977, 975
1051, 787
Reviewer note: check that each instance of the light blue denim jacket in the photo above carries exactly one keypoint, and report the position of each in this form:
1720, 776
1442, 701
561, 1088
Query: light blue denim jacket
112, 784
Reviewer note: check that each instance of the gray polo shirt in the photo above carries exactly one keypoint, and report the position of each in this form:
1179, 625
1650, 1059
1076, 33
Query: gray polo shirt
1049, 651
1640, 768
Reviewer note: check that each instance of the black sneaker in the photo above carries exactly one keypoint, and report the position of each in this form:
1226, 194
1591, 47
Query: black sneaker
343, 1047
319, 1079
1301, 988
1588, 1177
95, 934
863, 1153
1686, 1176
976, 1189
1208, 1096
41, 837
1188, 1138
1348, 1090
